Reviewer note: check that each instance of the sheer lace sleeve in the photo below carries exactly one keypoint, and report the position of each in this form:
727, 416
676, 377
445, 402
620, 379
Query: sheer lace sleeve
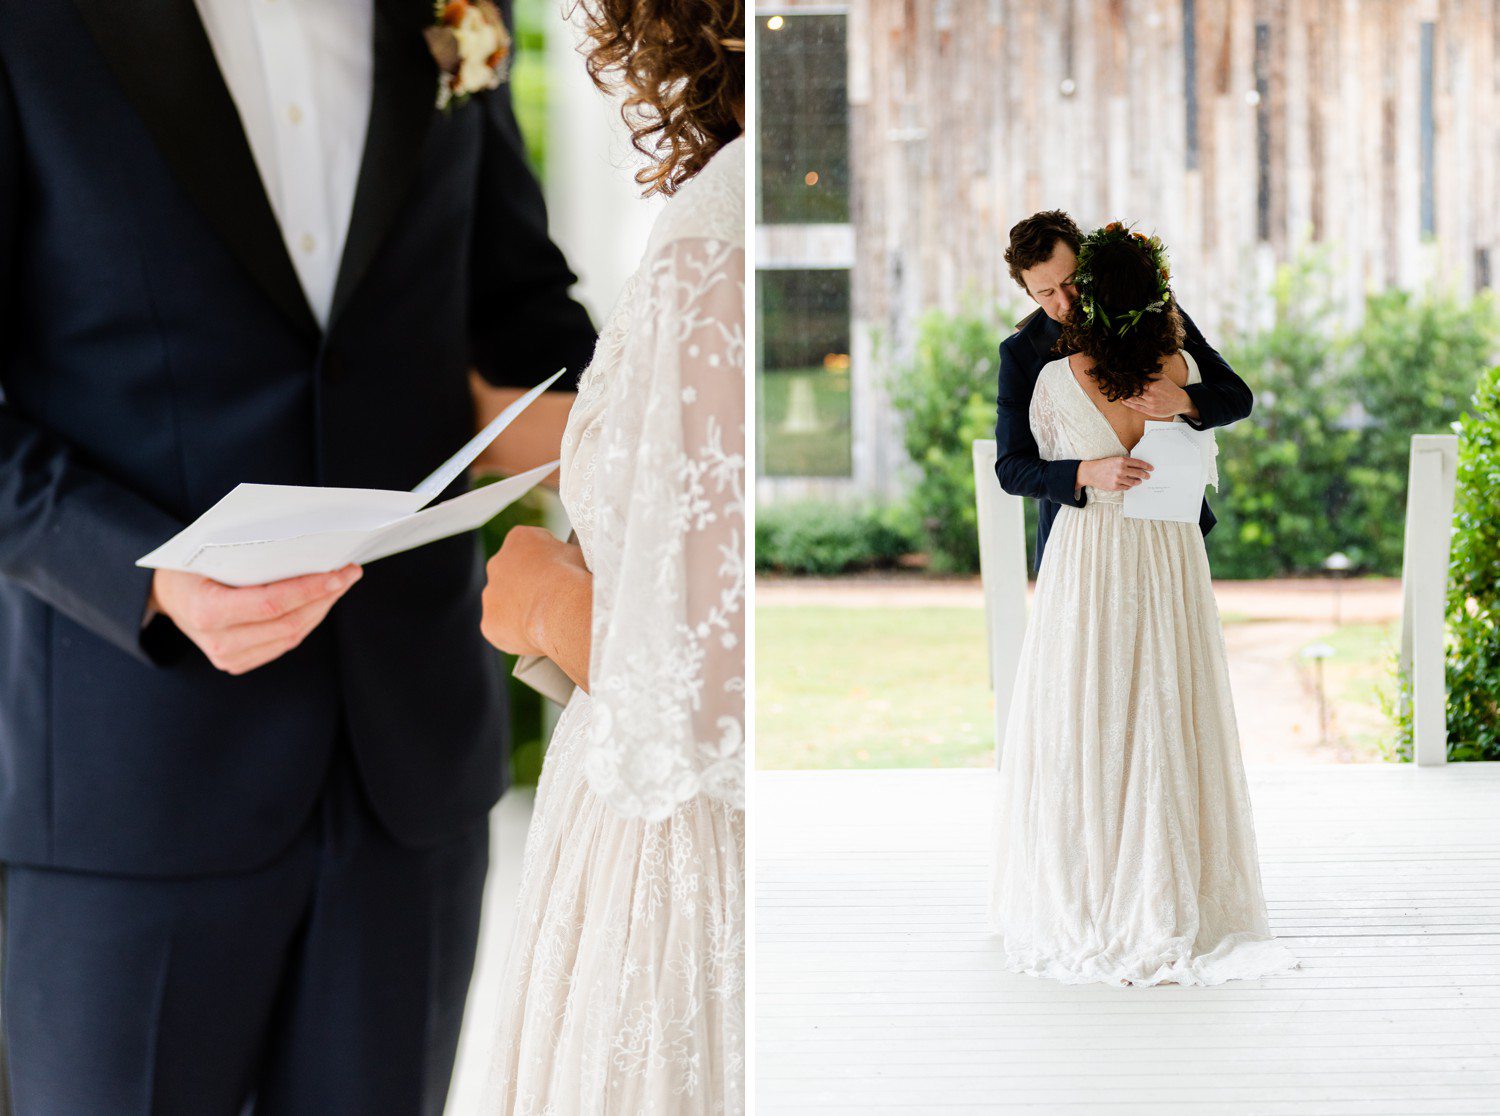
667, 667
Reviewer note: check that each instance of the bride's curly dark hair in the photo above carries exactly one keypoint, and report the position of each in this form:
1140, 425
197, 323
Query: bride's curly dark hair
1124, 279
681, 66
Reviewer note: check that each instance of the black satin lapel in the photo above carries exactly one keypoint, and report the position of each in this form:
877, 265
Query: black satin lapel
162, 57
400, 111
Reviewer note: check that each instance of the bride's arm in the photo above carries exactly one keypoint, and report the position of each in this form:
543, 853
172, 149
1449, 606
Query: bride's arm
539, 601
668, 667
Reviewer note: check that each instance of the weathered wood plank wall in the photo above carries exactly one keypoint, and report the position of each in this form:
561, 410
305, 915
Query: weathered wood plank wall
1241, 130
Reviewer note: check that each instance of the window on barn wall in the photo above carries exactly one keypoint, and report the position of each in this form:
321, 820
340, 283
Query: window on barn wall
804, 383
804, 119
804, 404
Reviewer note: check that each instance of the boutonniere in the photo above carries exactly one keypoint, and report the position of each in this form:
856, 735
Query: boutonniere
472, 49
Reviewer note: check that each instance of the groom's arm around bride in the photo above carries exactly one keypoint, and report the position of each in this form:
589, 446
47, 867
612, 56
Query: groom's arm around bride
1042, 257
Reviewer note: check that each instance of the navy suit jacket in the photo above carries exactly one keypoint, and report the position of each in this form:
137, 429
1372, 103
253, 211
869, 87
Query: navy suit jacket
1221, 398
156, 350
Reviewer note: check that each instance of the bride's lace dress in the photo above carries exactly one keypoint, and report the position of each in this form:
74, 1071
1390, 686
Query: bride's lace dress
1124, 847
624, 991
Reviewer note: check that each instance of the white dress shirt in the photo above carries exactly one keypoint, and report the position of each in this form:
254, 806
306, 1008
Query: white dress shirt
301, 73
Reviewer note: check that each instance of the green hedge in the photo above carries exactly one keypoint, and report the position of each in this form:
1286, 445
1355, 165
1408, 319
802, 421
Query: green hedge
946, 399
1473, 621
810, 538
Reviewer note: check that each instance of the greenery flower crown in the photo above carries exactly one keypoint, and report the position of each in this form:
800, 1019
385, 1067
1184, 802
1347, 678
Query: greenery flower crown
1084, 281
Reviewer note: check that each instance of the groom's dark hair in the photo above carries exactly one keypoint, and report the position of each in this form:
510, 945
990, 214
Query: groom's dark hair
1032, 240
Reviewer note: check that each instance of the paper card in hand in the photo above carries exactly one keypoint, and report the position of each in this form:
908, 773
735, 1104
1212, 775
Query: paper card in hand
266, 532
1174, 491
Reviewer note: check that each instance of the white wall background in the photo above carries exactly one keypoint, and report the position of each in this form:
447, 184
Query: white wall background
598, 215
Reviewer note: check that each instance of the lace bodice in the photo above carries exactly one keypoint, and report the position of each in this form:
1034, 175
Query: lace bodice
1068, 425
653, 471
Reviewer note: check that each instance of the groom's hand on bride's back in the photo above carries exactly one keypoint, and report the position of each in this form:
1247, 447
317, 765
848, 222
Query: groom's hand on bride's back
241, 629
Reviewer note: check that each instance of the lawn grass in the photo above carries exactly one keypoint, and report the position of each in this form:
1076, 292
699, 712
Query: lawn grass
1361, 684
907, 687
849, 688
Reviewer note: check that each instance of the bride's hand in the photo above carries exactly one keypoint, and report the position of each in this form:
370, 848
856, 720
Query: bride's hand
1113, 474
538, 586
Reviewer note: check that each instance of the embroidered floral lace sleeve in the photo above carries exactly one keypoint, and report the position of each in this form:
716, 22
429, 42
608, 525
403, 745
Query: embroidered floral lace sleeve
667, 671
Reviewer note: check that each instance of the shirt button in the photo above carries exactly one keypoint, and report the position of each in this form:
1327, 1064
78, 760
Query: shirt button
294, 114
307, 243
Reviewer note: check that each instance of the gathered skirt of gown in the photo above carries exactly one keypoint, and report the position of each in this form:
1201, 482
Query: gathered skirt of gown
1125, 847
624, 994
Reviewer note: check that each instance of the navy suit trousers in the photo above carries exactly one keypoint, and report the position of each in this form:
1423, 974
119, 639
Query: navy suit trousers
330, 981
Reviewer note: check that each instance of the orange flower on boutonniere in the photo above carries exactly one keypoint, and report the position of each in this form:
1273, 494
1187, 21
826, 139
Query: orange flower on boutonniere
472, 49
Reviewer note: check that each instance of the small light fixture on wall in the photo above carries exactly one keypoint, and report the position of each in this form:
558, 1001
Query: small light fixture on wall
1068, 87
775, 23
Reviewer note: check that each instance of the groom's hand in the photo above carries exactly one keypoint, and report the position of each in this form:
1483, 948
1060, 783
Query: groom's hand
241, 629
1162, 399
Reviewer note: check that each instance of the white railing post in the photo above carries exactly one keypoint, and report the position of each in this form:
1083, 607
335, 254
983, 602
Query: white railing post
1002, 573
1424, 590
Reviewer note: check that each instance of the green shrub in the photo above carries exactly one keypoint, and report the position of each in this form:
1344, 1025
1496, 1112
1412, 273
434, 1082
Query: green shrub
1474, 585
1473, 620
1321, 463
1414, 366
946, 398
814, 538
1283, 471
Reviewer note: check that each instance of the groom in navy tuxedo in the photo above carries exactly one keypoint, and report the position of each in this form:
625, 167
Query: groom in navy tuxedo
244, 832
1042, 257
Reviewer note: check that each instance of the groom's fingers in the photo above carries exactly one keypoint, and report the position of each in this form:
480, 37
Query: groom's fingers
247, 646
1139, 403
225, 607
279, 617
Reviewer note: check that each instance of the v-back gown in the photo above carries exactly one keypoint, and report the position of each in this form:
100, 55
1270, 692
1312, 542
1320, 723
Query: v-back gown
1125, 847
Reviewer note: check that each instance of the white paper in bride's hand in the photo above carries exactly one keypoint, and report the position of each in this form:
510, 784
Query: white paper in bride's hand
1174, 491
267, 532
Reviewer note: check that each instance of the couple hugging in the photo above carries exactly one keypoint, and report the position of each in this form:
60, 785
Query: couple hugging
244, 831
1124, 846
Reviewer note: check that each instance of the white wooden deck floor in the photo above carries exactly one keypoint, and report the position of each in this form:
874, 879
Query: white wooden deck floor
877, 988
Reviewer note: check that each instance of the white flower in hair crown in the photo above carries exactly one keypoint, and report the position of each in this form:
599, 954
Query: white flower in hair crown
472, 48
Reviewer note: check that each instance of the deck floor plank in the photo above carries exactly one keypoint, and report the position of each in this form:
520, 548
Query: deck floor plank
878, 989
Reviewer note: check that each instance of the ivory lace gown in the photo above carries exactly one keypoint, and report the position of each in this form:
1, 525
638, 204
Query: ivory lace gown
1125, 847
624, 991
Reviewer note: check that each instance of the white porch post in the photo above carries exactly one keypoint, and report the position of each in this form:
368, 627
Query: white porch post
1424, 590
1002, 572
